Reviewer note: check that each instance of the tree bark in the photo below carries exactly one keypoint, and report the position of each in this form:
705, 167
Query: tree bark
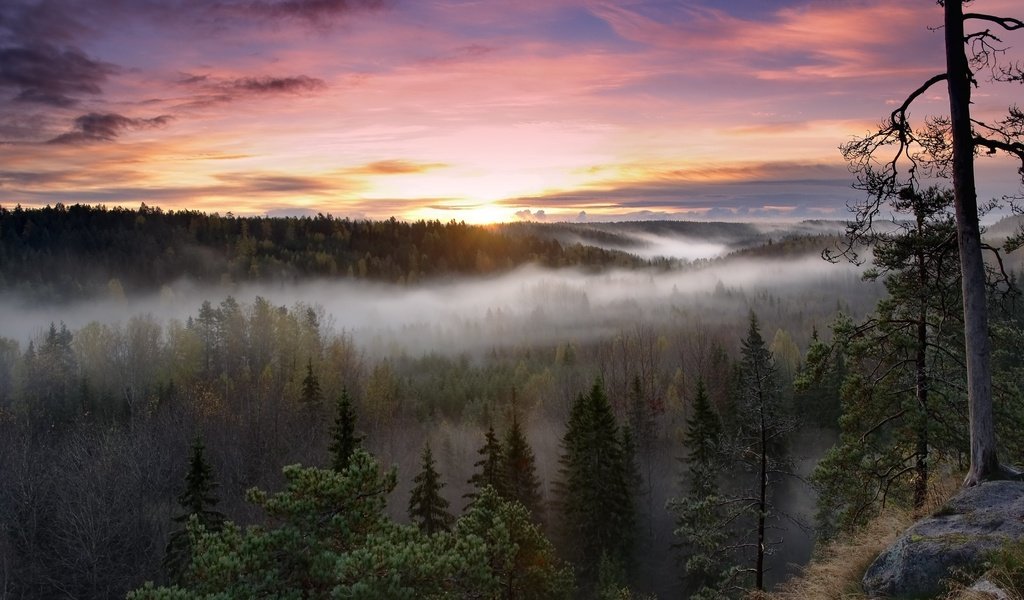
921, 370
762, 505
984, 464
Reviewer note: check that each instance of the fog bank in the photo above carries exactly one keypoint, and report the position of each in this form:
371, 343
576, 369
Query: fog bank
530, 305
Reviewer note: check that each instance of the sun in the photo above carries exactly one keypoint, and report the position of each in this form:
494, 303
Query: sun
473, 214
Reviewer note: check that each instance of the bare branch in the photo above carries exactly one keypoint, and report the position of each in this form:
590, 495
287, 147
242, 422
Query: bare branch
1007, 23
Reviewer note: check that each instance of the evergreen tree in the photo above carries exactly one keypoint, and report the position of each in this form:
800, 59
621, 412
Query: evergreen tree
901, 365
818, 384
344, 439
490, 468
641, 420
597, 509
197, 502
521, 481
760, 445
700, 514
427, 508
57, 360
522, 559
329, 536
310, 386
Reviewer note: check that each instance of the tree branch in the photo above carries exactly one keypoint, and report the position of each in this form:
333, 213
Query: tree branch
1007, 23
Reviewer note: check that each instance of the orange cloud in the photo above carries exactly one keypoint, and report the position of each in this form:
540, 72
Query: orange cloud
394, 167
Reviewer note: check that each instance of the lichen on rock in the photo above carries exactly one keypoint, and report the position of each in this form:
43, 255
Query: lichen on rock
958, 537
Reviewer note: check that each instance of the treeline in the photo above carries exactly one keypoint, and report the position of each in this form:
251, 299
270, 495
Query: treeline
70, 252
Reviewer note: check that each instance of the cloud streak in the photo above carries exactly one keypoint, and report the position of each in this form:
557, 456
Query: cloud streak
475, 110
105, 127
57, 77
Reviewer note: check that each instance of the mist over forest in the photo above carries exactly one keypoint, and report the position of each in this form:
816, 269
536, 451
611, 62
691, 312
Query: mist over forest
105, 391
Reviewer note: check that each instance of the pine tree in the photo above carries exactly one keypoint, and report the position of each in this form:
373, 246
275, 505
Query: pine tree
522, 483
328, 535
197, 501
490, 468
523, 560
597, 509
427, 508
344, 439
899, 372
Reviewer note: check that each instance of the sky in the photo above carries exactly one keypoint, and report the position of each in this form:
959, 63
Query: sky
474, 110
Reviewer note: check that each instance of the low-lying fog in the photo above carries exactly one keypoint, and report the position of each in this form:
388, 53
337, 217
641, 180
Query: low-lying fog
530, 305
684, 240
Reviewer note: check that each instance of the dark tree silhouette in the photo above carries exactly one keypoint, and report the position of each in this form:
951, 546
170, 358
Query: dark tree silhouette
427, 508
310, 386
490, 467
521, 481
597, 506
197, 501
344, 439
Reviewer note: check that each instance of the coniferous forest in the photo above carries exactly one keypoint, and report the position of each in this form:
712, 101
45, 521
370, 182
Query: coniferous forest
315, 407
479, 300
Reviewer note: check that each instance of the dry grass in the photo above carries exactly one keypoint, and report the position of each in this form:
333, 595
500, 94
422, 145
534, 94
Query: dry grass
836, 573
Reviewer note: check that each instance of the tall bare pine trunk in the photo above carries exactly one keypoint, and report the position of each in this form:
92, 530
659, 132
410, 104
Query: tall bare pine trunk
984, 464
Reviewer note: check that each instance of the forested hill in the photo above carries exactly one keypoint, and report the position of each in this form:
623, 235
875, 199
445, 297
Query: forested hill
66, 252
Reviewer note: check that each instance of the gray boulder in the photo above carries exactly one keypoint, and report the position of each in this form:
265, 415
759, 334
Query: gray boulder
972, 524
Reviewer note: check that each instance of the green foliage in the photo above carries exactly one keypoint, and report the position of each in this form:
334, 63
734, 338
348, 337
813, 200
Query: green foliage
332, 539
197, 502
597, 504
903, 410
428, 509
344, 439
818, 384
520, 558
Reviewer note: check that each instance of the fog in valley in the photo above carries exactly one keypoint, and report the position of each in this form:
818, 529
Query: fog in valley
433, 362
527, 306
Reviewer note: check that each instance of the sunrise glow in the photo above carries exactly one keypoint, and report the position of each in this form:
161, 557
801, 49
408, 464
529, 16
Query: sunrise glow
477, 111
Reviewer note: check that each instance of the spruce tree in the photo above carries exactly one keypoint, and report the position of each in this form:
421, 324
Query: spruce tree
522, 483
427, 508
490, 468
700, 514
344, 439
310, 386
760, 445
197, 501
596, 503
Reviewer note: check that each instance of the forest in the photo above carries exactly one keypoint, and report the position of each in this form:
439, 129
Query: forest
316, 407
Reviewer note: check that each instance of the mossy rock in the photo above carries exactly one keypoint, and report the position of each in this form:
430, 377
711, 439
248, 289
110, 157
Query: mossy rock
956, 538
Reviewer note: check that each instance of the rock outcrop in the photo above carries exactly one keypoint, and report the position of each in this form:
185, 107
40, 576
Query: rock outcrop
973, 523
